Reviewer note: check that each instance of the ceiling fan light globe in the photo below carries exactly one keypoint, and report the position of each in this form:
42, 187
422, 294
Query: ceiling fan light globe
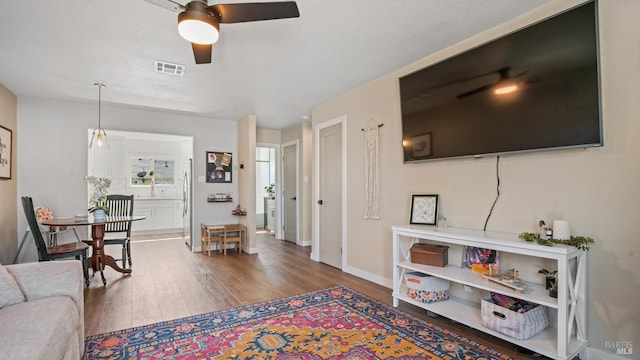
198, 27
505, 89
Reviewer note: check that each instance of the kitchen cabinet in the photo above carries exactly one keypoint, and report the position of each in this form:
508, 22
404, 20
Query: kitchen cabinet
160, 214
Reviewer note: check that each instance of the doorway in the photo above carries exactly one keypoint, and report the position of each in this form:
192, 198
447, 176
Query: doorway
330, 166
290, 191
266, 185
157, 170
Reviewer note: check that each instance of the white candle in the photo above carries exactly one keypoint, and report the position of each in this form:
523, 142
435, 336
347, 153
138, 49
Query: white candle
561, 230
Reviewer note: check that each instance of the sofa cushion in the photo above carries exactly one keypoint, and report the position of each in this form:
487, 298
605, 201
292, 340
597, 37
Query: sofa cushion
10, 292
38, 329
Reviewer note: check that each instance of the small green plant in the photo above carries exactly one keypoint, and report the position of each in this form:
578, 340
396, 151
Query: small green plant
548, 273
270, 189
581, 242
551, 279
527, 236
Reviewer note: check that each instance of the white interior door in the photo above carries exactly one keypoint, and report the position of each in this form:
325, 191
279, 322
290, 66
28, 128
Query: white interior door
290, 195
330, 196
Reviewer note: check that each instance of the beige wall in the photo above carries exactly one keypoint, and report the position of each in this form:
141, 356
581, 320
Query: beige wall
596, 189
247, 177
268, 136
9, 188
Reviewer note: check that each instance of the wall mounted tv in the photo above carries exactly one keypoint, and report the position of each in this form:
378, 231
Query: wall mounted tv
451, 109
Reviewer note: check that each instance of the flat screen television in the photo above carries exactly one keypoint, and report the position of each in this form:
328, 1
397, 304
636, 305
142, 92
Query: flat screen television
549, 78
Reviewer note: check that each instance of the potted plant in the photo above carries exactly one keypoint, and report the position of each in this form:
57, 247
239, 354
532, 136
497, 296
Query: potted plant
271, 190
98, 199
553, 290
550, 277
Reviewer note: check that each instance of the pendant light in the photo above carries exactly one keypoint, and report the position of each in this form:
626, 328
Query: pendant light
99, 136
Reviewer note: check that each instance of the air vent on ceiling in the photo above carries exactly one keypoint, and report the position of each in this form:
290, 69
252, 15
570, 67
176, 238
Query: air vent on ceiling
168, 68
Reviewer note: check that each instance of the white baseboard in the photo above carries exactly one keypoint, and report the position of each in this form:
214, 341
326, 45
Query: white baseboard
314, 257
388, 283
305, 243
250, 251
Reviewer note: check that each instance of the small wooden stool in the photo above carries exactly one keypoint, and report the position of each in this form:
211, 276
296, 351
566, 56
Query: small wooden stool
207, 236
231, 233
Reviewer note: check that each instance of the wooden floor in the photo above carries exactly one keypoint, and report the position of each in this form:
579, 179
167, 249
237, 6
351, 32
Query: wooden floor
170, 282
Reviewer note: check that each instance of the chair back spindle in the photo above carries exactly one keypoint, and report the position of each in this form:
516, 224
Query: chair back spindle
119, 205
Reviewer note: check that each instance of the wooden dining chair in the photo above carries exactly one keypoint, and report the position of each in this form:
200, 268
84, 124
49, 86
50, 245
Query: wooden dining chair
232, 233
75, 249
207, 236
119, 205
44, 213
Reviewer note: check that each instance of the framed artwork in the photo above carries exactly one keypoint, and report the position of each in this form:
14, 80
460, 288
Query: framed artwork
219, 167
424, 209
421, 145
5, 152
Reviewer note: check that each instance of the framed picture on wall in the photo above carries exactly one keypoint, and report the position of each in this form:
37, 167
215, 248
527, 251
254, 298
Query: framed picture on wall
424, 209
219, 167
5, 152
421, 145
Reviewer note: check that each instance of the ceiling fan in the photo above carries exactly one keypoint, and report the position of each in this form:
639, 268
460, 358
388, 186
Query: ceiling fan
199, 22
503, 85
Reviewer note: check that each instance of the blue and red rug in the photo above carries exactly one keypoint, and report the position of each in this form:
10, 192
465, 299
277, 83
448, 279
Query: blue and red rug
336, 323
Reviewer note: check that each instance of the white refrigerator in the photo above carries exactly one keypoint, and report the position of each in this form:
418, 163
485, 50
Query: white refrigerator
187, 204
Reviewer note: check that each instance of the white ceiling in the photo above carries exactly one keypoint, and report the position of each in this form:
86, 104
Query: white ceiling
277, 70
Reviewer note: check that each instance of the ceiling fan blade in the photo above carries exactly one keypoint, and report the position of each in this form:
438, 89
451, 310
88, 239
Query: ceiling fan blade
168, 4
475, 91
244, 12
202, 53
504, 76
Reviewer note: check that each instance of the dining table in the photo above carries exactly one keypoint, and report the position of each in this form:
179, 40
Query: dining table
99, 260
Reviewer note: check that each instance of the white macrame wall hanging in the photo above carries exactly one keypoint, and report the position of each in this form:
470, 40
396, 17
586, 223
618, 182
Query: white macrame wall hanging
371, 173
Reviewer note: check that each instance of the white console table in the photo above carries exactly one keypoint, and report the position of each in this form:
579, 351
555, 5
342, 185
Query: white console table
559, 341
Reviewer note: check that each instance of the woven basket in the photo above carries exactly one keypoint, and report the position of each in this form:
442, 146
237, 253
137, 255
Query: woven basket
517, 325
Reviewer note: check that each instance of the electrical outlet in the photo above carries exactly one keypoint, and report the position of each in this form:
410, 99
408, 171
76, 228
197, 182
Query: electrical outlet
468, 288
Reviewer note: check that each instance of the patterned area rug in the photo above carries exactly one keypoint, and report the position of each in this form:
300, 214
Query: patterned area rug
336, 323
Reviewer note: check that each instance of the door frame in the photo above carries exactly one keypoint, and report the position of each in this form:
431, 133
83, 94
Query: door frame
280, 223
315, 253
278, 188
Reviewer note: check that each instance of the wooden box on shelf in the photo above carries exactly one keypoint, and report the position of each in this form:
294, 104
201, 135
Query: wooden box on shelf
427, 254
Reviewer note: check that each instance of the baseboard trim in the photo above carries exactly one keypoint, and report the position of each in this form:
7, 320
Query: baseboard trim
314, 257
251, 251
388, 283
305, 243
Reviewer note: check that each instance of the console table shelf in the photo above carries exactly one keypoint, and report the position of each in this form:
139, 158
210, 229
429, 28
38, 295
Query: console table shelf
563, 340
533, 293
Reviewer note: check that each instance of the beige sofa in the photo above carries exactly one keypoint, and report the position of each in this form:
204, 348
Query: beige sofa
42, 310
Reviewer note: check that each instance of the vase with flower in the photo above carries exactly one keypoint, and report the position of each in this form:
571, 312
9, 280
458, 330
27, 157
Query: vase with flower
98, 200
